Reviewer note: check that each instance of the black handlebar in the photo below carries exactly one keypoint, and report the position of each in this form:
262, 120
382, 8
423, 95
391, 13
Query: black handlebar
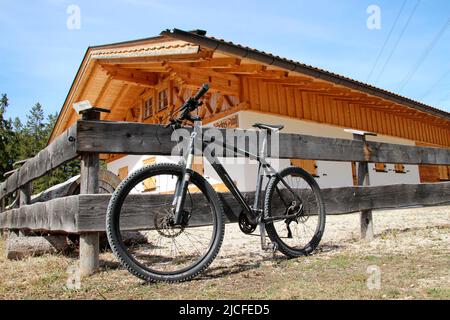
188, 107
203, 90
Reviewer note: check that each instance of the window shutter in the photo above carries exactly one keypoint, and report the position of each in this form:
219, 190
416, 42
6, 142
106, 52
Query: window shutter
150, 183
123, 173
309, 166
380, 167
444, 173
400, 168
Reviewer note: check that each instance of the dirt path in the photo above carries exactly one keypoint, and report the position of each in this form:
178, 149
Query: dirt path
410, 256
342, 235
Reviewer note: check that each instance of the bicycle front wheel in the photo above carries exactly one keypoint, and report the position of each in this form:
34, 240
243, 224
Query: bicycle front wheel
140, 225
300, 234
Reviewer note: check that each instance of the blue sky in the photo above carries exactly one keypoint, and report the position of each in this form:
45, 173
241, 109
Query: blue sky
39, 55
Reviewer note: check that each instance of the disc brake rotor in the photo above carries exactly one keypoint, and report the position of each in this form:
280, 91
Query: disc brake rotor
164, 226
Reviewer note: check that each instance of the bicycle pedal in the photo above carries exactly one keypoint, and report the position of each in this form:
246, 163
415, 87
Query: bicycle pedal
272, 247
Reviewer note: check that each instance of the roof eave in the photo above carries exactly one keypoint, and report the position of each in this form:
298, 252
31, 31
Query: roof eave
293, 66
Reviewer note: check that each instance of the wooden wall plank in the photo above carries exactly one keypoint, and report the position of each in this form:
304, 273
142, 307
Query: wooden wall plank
298, 104
306, 106
313, 107
282, 100
290, 101
320, 109
264, 101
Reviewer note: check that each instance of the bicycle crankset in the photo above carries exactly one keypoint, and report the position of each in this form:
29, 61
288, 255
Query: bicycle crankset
245, 225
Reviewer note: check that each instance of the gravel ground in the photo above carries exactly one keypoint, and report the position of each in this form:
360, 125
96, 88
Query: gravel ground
410, 250
342, 234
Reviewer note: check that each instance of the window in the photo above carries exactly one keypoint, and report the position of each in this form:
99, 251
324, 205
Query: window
400, 168
444, 173
380, 167
148, 108
163, 99
123, 173
150, 183
309, 166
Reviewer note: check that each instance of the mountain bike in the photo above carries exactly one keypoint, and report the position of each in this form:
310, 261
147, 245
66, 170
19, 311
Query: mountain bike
184, 229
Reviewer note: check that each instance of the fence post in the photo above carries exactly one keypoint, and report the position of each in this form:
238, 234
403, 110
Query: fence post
366, 220
24, 199
2, 209
89, 242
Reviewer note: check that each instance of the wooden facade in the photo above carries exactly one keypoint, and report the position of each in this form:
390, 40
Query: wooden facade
146, 80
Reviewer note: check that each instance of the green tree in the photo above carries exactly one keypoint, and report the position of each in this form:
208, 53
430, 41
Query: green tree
8, 152
20, 141
35, 131
64, 172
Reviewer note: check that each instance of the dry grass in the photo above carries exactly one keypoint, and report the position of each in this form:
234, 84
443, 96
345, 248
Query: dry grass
414, 260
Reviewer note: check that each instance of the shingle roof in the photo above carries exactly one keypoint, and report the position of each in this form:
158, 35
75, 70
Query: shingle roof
212, 43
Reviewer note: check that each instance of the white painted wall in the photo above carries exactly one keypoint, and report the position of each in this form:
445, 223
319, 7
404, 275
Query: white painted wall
335, 174
135, 163
391, 177
331, 174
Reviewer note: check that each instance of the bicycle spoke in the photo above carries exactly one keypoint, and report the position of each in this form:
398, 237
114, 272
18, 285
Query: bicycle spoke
305, 225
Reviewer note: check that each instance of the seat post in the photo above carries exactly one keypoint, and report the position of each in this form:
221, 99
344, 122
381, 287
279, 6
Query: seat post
263, 152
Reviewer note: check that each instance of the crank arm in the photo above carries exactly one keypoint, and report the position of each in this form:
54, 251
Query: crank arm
279, 218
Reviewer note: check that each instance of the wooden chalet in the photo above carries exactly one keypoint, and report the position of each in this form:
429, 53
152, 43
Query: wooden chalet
145, 80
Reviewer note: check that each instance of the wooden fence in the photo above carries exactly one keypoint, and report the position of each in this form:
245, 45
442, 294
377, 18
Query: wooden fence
84, 214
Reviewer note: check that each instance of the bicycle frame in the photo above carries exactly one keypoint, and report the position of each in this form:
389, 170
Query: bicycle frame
254, 213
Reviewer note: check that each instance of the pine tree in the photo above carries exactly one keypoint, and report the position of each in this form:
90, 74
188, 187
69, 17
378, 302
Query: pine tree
66, 171
7, 139
35, 131
20, 141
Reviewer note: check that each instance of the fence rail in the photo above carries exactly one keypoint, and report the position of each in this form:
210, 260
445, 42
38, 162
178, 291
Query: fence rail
63, 149
144, 139
84, 214
138, 139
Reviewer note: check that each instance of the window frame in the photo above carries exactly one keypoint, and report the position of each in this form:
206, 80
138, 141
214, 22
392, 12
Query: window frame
163, 99
145, 115
309, 166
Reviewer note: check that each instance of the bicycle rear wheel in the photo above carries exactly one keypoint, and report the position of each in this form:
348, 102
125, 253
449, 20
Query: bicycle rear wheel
158, 250
299, 235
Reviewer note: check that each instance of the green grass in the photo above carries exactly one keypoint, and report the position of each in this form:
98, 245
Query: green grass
341, 274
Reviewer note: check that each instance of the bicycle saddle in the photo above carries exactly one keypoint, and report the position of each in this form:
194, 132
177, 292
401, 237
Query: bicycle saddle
268, 127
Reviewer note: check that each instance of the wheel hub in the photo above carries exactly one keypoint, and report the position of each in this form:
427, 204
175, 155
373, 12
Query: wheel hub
164, 224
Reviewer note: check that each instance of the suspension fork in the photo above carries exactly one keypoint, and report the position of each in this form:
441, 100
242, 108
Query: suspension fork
183, 182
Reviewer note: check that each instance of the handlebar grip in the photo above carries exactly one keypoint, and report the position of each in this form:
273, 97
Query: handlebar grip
204, 89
